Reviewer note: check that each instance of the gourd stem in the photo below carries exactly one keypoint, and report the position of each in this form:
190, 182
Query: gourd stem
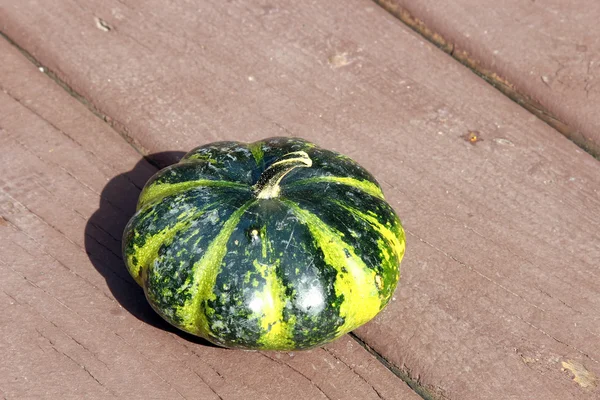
267, 186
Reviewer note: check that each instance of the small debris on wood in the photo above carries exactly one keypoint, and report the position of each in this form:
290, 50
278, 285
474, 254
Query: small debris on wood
504, 142
102, 25
581, 375
339, 60
472, 137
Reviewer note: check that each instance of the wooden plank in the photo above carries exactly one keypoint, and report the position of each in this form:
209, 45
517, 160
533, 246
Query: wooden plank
73, 323
499, 296
544, 54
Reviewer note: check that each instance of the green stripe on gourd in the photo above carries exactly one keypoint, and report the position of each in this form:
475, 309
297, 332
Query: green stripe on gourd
393, 234
193, 313
356, 282
391, 245
141, 256
364, 185
157, 191
170, 279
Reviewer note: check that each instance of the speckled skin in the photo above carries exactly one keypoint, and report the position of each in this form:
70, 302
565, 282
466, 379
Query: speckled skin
290, 272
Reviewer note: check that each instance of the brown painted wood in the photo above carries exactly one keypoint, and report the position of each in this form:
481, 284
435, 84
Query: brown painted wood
72, 323
499, 295
544, 53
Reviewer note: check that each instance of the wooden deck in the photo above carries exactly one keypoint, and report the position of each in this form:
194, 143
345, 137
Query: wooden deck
499, 295
543, 54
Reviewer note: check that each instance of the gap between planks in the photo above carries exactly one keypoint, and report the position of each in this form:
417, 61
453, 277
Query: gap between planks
402, 373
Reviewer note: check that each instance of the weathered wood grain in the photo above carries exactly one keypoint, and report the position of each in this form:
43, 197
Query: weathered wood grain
545, 54
499, 288
73, 324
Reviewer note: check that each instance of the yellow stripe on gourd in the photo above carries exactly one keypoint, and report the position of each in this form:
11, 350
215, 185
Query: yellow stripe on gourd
148, 252
364, 185
358, 284
157, 191
205, 271
395, 239
271, 300
392, 237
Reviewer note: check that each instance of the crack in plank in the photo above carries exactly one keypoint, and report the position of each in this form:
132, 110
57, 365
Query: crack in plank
201, 378
44, 252
30, 282
85, 150
59, 130
314, 384
169, 384
119, 256
86, 321
57, 165
199, 357
53, 344
100, 228
42, 248
355, 373
82, 367
43, 220
470, 268
508, 291
118, 127
543, 332
560, 300
11, 297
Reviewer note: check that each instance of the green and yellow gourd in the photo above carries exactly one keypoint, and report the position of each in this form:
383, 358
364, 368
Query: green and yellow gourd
276, 245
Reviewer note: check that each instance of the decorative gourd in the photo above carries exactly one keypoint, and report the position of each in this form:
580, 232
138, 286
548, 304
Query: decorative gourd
276, 244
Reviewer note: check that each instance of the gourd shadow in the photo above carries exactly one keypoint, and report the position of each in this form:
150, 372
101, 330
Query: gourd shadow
103, 233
